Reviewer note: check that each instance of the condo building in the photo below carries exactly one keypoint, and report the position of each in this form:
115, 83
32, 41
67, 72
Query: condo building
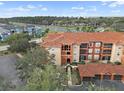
68, 47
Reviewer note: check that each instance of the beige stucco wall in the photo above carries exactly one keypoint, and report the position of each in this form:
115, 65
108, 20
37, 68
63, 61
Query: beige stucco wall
117, 49
57, 52
113, 53
76, 51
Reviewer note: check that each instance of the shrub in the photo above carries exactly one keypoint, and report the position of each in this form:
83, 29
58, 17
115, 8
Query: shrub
82, 62
20, 45
74, 63
117, 63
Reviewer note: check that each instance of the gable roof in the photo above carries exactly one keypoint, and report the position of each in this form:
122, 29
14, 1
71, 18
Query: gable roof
56, 39
90, 70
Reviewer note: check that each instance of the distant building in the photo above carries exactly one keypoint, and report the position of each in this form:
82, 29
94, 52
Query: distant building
4, 33
71, 47
36, 31
6, 30
4, 36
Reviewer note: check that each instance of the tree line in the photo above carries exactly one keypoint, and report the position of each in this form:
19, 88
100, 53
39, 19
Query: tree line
64, 21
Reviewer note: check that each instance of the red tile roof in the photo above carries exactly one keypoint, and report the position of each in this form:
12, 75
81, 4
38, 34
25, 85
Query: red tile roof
56, 39
90, 70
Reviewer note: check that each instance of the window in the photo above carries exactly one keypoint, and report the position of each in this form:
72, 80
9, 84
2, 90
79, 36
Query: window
66, 47
91, 44
119, 48
107, 45
62, 47
118, 54
83, 51
84, 45
117, 77
68, 53
83, 58
106, 51
68, 60
106, 58
98, 44
97, 50
89, 57
90, 50
96, 57
74, 53
74, 60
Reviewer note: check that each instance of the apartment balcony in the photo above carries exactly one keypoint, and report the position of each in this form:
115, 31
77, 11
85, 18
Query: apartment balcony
84, 45
106, 51
66, 53
107, 45
83, 51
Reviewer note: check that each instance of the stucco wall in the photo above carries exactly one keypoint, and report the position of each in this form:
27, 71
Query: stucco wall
117, 49
57, 52
76, 52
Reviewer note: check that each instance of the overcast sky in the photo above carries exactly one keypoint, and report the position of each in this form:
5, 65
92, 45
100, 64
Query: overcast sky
61, 8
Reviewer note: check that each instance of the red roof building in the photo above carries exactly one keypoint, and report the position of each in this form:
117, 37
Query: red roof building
104, 71
71, 47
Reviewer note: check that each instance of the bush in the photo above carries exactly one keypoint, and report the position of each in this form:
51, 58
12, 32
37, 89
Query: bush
20, 45
74, 63
117, 63
82, 62
36, 57
16, 37
6, 52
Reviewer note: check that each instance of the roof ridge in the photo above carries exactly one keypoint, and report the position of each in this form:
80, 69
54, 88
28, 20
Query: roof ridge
54, 39
74, 37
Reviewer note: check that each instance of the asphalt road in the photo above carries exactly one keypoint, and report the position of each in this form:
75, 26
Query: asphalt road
7, 69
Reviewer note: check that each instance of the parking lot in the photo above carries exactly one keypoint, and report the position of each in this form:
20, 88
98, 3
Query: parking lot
7, 69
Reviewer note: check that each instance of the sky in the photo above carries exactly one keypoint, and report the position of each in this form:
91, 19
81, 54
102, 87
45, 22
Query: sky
61, 8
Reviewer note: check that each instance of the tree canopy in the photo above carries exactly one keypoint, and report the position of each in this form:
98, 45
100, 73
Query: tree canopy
36, 57
44, 79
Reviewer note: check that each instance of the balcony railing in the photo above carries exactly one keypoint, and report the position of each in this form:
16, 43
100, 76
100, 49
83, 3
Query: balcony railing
107, 45
107, 52
85, 45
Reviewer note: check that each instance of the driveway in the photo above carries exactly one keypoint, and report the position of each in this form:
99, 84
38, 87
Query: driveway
7, 69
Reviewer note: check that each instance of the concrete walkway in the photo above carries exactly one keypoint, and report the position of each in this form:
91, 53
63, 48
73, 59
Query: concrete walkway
69, 76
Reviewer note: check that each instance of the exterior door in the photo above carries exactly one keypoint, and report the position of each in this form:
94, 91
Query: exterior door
68, 60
